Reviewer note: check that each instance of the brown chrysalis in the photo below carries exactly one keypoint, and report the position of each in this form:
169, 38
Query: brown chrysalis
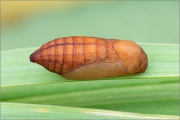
82, 58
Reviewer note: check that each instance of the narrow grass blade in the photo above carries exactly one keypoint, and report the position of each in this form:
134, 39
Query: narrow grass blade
30, 111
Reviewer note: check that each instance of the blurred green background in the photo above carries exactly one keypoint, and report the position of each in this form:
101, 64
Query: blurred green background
35, 23
154, 25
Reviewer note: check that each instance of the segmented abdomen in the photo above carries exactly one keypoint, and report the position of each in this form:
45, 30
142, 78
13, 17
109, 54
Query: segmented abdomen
65, 54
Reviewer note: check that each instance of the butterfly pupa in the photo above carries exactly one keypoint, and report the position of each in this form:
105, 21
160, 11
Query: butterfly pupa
85, 58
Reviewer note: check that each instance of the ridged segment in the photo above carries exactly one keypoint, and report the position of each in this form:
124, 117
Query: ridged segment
58, 56
67, 54
112, 56
101, 49
90, 55
78, 51
44, 54
51, 56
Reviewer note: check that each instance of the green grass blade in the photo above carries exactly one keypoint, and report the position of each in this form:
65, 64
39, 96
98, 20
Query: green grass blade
30, 111
150, 96
16, 68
